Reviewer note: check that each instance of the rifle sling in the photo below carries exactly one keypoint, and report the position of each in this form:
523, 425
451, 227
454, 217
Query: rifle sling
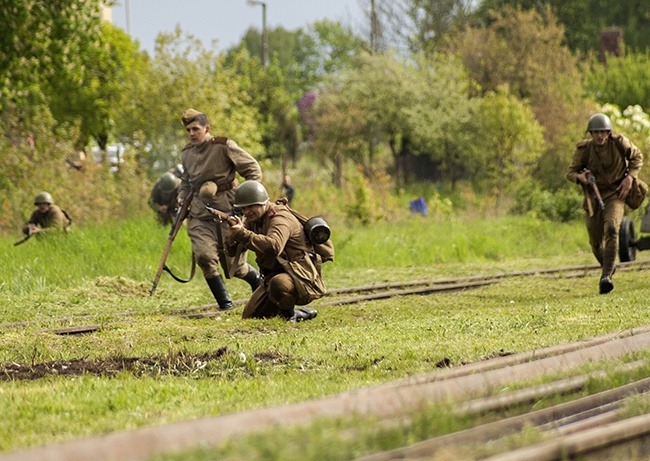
178, 279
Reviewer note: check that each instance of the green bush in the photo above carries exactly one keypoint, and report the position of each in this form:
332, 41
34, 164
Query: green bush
562, 206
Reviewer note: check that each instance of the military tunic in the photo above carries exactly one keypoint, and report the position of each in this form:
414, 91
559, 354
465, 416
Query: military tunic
609, 167
53, 218
218, 160
276, 233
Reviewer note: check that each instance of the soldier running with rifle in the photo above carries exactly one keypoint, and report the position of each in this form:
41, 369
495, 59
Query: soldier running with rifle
607, 163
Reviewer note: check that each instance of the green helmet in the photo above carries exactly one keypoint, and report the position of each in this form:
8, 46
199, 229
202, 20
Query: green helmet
43, 197
599, 122
250, 193
169, 182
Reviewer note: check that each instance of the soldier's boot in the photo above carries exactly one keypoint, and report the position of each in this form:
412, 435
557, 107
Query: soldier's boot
220, 292
308, 312
297, 314
609, 267
253, 278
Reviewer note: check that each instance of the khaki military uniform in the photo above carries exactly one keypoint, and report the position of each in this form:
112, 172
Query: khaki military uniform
276, 233
53, 218
159, 197
217, 160
609, 167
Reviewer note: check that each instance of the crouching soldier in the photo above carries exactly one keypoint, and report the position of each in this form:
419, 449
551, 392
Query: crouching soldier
164, 196
290, 267
46, 217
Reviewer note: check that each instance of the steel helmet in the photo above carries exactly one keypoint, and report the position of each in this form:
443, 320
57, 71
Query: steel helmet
43, 197
599, 122
169, 182
317, 230
250, 193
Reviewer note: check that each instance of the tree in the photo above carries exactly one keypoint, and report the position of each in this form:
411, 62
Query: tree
523, 50
184, 74
47, 52
440, 120
583, 20
416, 106
623, 81
510, 140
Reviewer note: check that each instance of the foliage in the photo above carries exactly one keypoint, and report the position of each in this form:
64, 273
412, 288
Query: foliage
94, 193
584, 20
184, 74
622, 81
524, 50
510, 141
563, 205
417, 106
307, 56
440, 120
45, 47
633, 122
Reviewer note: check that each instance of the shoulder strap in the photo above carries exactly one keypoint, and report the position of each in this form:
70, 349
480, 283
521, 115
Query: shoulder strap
621, 149
219, 140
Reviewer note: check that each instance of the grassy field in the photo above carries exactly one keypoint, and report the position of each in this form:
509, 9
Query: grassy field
152, 367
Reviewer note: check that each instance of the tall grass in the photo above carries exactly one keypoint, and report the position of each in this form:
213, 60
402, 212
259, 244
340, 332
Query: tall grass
132, 248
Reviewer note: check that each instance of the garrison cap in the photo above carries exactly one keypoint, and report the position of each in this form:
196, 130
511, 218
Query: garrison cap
189, 115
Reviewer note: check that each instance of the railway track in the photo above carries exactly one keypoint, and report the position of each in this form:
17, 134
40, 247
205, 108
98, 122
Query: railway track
591, 427
344, 296
586, 426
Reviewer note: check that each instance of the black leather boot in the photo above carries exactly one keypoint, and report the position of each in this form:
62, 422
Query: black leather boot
299, 314
220, 293
253, 278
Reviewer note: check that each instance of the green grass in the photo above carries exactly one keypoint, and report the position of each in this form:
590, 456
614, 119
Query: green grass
101, 271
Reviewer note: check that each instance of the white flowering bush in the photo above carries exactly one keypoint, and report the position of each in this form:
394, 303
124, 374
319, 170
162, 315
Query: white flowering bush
633, 122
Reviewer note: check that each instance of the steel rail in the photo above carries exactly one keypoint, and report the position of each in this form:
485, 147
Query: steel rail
381, 402
427, 287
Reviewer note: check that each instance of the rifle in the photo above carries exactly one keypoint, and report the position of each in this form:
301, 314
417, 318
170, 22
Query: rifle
220, 243
230, 219
178, 222
31, 231
594, 188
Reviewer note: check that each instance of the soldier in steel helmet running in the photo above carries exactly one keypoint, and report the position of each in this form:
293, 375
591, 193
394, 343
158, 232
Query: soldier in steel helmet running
46, 217
164, 195
210, 167
614, 161
276, 236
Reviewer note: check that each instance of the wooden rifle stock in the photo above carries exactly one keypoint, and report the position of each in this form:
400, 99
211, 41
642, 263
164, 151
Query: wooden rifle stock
596, 192
221, 215
178, 222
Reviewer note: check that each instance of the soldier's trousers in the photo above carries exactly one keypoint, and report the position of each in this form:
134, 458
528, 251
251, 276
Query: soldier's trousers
603, 229
276, 295
203, 234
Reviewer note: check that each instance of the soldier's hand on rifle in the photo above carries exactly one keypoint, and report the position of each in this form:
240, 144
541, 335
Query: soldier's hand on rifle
624, 187
582, 177
236, 224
